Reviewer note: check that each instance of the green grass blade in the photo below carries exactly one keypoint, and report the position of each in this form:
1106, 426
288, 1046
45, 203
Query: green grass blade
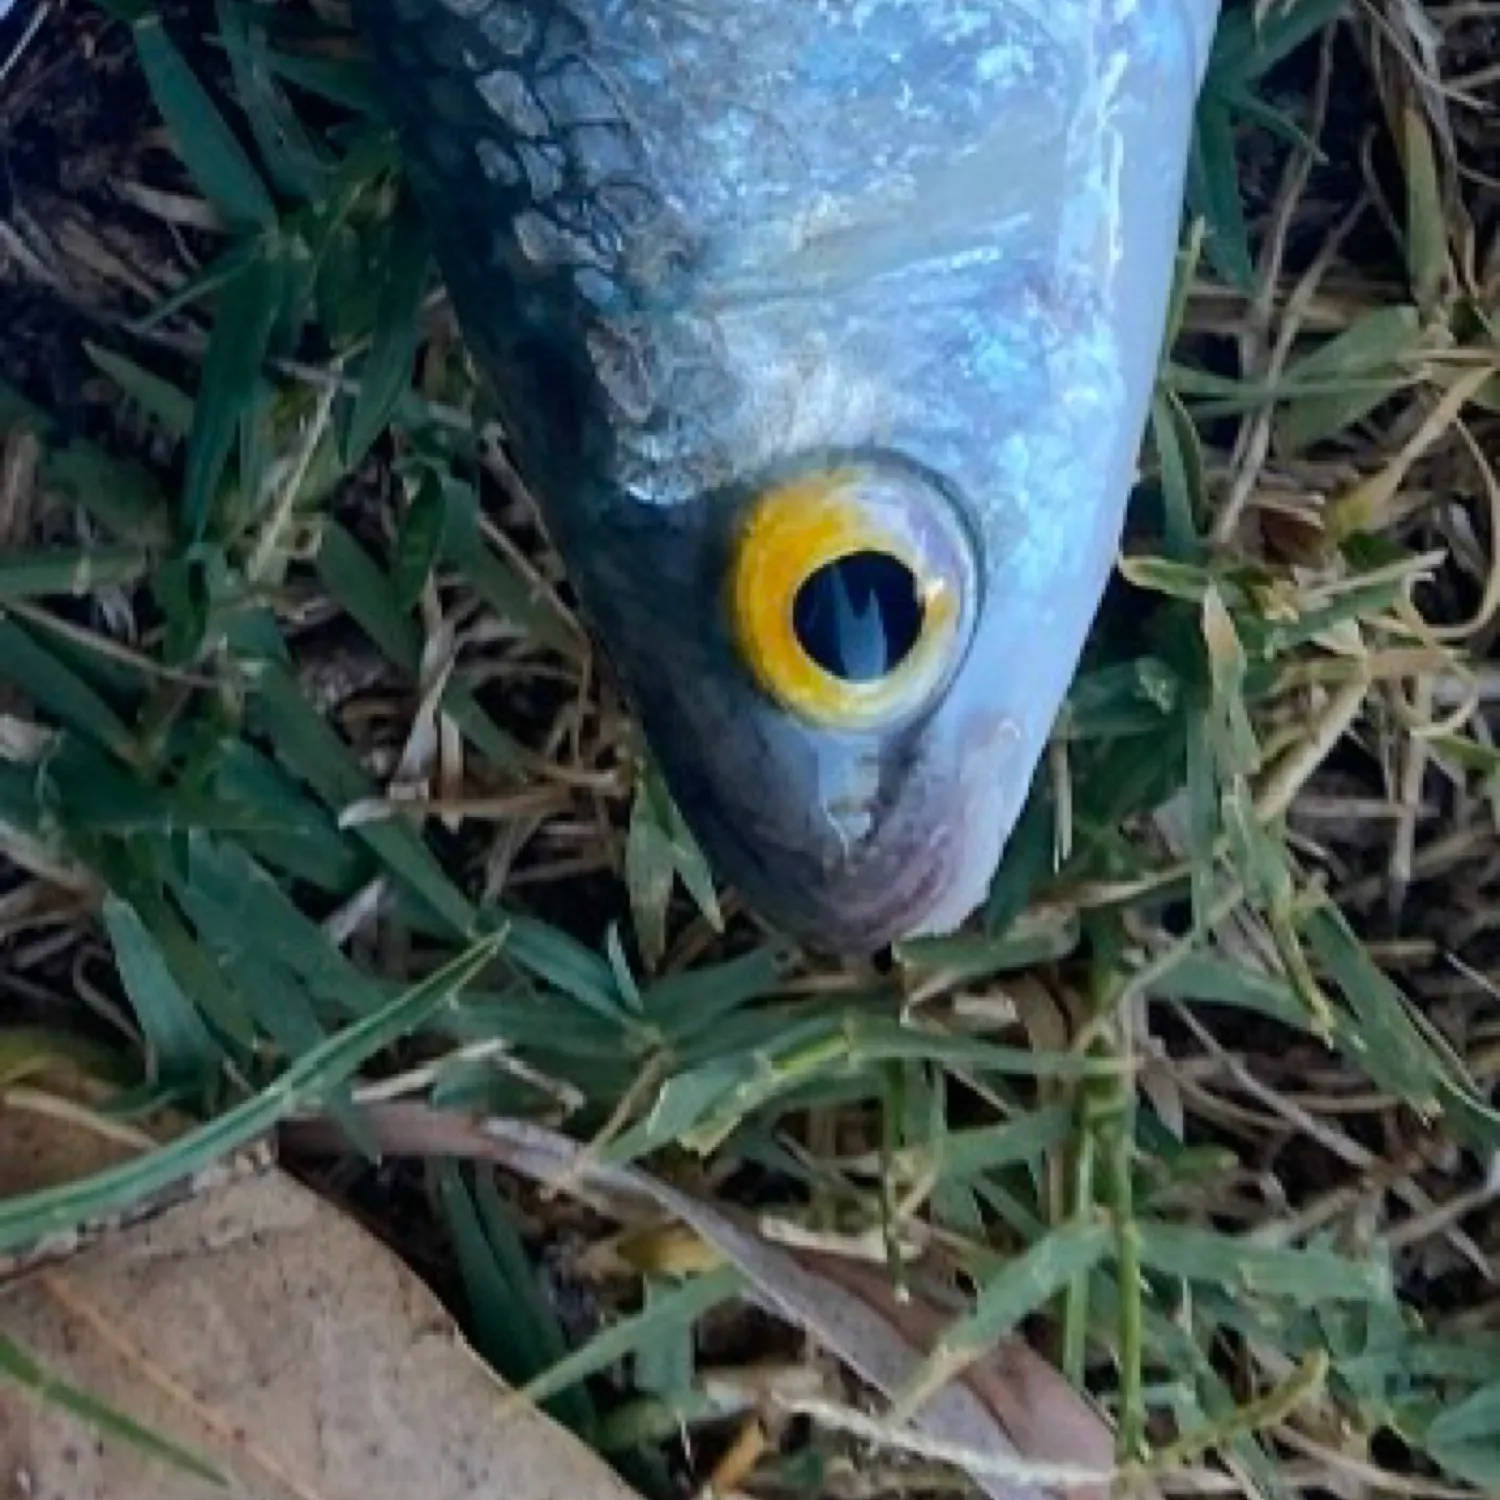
237, 349
338, 80
1364, 364
965, 1154
386, 371
64, 571
1182, 477
662, 1316
1014, 1293
660, 850
306, 843
1392, 1044
311, 750
132, 871
209, 149
353, 578
234, 897
1465, 1438
298, 169
203, 282
60, 1210
123, 497
1249, 44
506, 593
169, 404
568, 966
44, 678
694, 1002
1254, 1268
1030, 856
514, 1326
419, 540
1214, 195
181, 1047
1035, 938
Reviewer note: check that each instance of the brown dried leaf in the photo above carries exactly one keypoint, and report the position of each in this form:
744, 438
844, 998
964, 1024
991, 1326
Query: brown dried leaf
267, 1334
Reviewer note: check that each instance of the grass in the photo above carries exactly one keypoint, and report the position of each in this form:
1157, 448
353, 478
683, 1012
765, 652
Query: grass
310, 789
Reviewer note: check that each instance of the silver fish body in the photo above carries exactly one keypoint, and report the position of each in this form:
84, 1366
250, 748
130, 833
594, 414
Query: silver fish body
756, 282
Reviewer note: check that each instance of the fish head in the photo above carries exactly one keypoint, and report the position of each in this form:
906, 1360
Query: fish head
826, 336
918, 430
847, 677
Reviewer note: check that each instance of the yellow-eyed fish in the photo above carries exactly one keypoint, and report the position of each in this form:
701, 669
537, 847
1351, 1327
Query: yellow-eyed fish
824, 332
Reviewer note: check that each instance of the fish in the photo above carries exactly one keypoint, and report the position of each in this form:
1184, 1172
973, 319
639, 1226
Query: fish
824, 333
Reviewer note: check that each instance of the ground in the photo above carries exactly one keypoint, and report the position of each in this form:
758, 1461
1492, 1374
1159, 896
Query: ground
358, 715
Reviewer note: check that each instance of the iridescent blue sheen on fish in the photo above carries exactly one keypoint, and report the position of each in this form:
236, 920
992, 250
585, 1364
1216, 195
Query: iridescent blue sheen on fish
703, 249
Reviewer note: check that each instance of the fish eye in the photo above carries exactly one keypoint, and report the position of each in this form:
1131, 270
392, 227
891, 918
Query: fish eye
851, 594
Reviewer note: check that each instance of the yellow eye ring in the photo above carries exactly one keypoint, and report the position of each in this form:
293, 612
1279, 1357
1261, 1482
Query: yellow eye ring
899, 540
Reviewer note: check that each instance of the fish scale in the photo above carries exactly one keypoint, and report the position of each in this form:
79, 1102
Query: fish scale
702, 252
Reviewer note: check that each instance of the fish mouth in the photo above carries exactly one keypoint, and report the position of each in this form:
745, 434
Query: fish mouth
904, 889
862, 929
909, 850
849, 923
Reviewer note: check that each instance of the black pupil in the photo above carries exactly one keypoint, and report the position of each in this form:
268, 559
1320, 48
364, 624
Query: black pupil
858, 617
